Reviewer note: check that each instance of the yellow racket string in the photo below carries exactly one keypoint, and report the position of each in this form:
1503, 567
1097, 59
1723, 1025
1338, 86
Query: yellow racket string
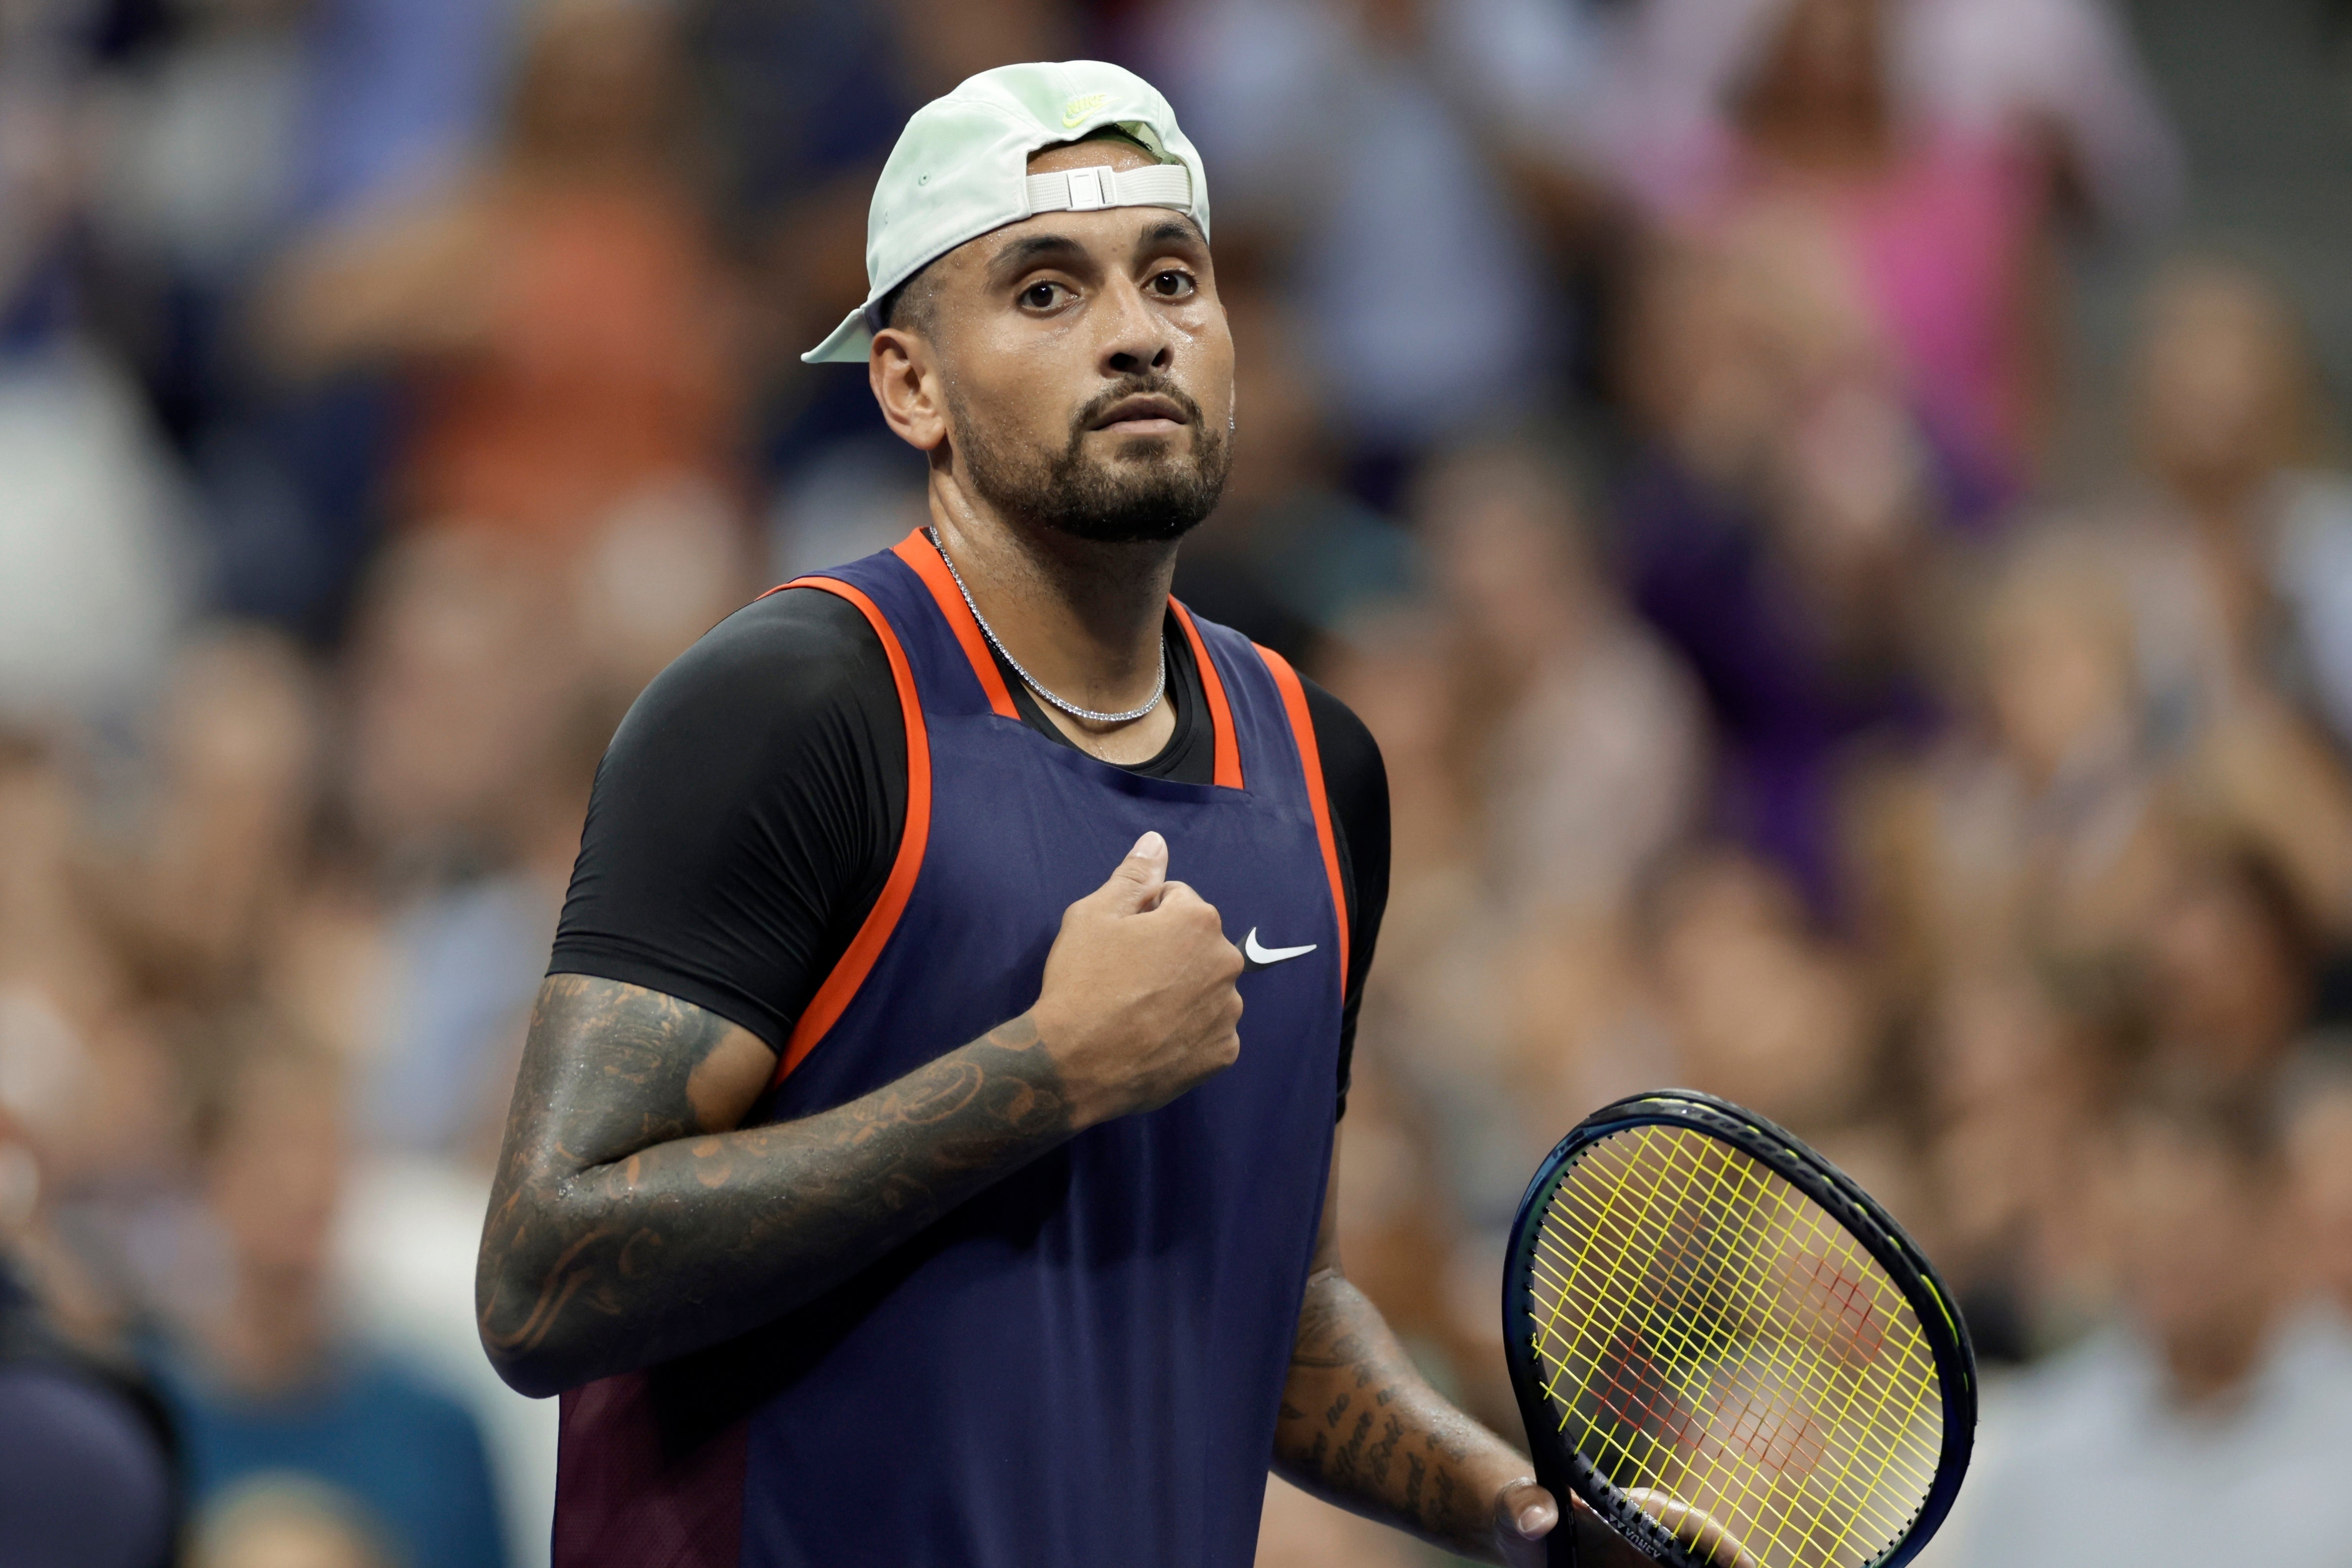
1701, 1480
1710, 1331
1691, 1479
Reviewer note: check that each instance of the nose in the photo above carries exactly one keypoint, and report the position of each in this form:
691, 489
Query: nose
1135, 337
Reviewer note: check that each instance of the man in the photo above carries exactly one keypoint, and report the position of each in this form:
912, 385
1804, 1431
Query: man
892, 1177
88, 1458
2212, 1423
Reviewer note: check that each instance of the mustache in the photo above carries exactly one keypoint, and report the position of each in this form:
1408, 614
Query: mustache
1143, 385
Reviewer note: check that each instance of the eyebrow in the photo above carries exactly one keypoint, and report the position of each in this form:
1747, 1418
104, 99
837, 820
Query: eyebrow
1019, 255
1175, 231
1026, 252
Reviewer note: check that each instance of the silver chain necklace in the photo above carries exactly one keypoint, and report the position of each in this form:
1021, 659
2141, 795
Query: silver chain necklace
1159, 688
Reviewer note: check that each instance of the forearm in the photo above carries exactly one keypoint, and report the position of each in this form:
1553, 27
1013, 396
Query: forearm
1361, 1428
690, 1239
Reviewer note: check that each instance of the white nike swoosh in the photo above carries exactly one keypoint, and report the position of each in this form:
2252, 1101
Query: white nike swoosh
1261, 956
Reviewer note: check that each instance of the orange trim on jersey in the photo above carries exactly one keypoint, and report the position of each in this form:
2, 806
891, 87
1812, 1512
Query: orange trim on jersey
1302, 725
833, 997
917, 552
1228, 774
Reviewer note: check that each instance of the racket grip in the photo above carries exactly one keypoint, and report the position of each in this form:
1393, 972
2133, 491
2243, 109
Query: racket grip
1560, 1546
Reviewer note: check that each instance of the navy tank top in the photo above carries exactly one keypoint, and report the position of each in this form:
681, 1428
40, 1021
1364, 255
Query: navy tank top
1081, 1365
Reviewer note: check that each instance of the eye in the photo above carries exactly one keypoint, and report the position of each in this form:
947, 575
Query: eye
1173, 284
1044, 296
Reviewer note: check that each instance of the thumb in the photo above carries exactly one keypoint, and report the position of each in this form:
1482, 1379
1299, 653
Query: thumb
1135, 885
1525, 1511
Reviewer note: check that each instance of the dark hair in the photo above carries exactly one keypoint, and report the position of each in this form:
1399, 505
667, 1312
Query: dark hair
908, 306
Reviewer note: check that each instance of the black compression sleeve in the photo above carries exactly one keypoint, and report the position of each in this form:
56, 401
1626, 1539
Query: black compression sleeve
745, 816
1356, 783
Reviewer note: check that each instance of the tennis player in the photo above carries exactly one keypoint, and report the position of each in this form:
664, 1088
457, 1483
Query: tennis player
923, 1149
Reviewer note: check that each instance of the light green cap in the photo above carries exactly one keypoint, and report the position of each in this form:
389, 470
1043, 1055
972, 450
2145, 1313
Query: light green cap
962, 168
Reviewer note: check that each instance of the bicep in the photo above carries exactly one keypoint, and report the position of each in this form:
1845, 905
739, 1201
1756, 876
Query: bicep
610, 1069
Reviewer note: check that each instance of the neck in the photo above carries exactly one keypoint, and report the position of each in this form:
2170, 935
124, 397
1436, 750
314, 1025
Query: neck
1083, 617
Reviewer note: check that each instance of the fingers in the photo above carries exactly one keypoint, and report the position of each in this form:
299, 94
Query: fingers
1708, 1540
1524, 1514
1527, 1511
1135, 884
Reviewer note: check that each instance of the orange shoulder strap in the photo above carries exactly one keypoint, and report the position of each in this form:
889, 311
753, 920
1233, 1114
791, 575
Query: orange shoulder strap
1318, 800
833, 997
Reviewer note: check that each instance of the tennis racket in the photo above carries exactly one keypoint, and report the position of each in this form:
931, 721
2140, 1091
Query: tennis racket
1703, 1317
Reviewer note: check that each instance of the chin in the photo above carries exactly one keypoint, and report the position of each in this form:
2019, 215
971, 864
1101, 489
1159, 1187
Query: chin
1159, 447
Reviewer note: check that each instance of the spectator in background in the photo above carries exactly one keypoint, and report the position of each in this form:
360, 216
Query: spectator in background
2232, 962
260, 1378
88, 1457
2060, 78
1931, 232
561, 312
1288, 557
1774, 529
287, 1522
1762, 1009
1344, 128
2063, 78
1585, 734
2214, 1423
196, 892
1572, 746
2039, 831
2244, 543
2318, 1090
468, 697
224, 128
2012, 1087
807, 96
93, 547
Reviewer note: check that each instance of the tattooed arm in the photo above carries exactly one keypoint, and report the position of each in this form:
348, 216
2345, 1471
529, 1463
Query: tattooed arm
632, 1221
1361, 1428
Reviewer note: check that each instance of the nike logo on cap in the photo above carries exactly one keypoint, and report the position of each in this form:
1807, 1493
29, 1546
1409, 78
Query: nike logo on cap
1259, 957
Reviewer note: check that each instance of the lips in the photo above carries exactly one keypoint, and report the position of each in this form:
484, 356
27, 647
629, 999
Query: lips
1141, 408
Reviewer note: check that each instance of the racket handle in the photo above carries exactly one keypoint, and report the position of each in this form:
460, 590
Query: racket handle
1560, 1546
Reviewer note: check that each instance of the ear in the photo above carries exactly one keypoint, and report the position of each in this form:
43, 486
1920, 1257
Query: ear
904, 373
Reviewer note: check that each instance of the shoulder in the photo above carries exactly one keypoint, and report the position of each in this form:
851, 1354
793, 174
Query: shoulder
73, 1417
778, 662
1351, 756
83, 1475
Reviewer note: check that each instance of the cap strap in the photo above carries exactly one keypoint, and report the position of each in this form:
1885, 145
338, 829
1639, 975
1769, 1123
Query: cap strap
1085, 189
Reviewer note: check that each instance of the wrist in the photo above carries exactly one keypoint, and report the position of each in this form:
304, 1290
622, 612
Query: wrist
1062, 1037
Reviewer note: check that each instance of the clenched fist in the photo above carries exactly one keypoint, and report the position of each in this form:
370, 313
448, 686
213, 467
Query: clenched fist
1139, 1002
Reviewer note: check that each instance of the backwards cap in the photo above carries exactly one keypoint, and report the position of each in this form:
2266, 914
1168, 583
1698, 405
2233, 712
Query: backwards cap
962, 168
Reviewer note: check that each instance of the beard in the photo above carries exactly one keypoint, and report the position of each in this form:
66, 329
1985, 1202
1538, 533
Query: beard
1156, 494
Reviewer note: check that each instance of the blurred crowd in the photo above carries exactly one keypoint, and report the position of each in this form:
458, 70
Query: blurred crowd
1800, 676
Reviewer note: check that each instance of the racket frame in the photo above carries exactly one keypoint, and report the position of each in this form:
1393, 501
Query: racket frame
1856, 1211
